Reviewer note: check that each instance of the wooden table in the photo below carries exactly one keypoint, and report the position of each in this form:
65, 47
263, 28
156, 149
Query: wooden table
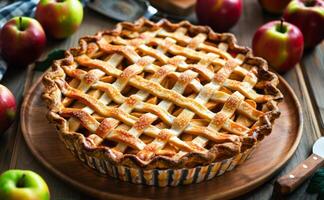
15, 154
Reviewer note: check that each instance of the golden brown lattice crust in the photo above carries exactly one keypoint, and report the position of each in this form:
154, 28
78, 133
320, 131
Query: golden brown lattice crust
161, 95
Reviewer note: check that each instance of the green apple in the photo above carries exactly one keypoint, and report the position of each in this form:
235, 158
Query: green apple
59, 18
22, 185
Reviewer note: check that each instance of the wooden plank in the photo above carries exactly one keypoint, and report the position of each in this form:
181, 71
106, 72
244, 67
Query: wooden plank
313, 68
310, 107
8, 138
27, 84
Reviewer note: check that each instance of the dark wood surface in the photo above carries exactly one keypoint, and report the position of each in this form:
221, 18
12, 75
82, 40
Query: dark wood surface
313, 67
15, 154
51, 152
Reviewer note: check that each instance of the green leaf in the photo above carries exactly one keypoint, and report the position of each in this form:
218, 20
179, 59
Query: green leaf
54, 55
316, 184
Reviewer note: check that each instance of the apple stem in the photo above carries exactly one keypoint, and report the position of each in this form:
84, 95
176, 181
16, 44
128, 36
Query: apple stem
281, 25
21, 181
20, 23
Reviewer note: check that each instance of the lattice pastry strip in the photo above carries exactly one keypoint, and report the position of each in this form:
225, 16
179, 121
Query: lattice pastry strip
114, 61
251, 80
163, 105
164, 60
244, 88
160, 144
185, 116
180, 87
122, 85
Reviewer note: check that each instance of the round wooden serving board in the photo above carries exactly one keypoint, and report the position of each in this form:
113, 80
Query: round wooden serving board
269, 156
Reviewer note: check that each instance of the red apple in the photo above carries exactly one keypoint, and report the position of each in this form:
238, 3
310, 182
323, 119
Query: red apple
221, 15
274, 6
22, 40
280, 43
308, 16
60, 18
7, 108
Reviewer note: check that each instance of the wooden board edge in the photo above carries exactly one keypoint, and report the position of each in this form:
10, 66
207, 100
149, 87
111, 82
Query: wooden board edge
227, 195
308, 99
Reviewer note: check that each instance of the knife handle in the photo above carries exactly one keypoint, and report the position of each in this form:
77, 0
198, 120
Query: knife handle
297, 176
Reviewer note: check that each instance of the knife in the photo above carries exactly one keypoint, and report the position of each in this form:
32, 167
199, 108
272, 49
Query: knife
130, 10
297, 176
123, 10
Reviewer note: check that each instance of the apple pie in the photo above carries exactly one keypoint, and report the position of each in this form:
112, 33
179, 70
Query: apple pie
161, 104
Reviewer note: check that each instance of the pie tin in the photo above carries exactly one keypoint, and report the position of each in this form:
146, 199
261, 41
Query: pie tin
160, 177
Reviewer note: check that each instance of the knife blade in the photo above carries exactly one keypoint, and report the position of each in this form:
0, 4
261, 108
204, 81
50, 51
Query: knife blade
305, 169
123, 10
318, 147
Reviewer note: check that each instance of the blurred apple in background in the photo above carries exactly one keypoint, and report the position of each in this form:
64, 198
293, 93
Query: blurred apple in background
220, 15
22, 185
274, 6
280, 43
60, 18
308, 16
7, 108
22, 40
